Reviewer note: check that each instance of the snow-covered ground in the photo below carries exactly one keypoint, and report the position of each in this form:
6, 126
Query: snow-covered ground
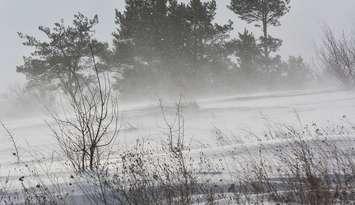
236, 116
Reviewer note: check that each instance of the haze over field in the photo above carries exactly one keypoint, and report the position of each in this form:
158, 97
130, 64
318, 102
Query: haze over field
167, 102
301, 28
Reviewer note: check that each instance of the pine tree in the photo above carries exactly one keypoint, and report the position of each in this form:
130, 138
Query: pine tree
263, 13
169, 39
247, 52
205, 34
142, 24
62, 58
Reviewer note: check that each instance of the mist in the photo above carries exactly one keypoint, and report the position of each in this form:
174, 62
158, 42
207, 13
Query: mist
168, 102
301, 28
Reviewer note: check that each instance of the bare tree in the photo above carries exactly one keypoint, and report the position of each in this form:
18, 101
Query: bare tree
338, 56
86, 134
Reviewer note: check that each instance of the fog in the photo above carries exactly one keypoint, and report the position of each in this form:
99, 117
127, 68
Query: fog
172, 105
300, 30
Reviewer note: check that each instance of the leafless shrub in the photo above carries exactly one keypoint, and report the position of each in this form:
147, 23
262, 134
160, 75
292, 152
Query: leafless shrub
304, 170
338, 56
92, 122
16, 151
42, 194
38, 185
5, 197
151, 174
317, 171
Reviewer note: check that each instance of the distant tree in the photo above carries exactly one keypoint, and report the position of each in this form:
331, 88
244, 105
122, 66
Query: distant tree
207, 39
139, 43
178, 36
168, 40
263, 13
298, 71
247, 53
61, 60
142, 24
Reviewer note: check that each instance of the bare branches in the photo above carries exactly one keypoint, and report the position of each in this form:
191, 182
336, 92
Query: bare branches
338, 56
176, 127
16, 153
93, 124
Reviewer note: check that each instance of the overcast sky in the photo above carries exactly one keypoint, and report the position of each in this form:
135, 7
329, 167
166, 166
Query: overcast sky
300, 29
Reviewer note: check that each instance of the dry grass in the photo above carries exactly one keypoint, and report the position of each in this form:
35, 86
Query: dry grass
308, 166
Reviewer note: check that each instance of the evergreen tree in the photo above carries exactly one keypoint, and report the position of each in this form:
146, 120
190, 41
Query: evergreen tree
61, 60
247, 52
207, 39
298, 71
139, 42
142, 24
263, 13
169, 39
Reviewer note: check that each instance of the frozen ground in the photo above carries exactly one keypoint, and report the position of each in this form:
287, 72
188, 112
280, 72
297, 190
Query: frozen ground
236, 116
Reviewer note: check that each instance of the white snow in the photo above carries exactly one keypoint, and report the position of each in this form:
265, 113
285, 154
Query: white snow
233, 115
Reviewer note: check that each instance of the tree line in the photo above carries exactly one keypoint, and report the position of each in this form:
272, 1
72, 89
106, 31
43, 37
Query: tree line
167, 46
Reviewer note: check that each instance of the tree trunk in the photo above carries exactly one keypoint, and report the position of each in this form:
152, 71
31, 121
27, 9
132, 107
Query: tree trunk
92, 156
265, 32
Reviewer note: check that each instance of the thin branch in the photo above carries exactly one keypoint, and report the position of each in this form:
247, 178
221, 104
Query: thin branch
12, 139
